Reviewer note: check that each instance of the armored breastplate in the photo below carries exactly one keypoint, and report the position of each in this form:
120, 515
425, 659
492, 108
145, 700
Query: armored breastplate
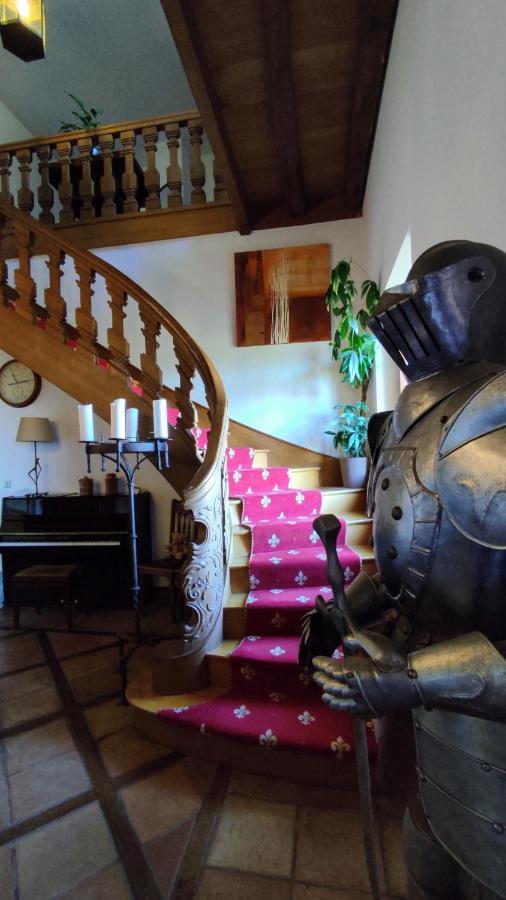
462, 780
431, 567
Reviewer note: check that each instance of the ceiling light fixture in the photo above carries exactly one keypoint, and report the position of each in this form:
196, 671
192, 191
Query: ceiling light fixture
22, 28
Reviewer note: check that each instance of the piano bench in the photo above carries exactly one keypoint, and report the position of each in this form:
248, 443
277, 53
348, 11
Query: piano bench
61, 577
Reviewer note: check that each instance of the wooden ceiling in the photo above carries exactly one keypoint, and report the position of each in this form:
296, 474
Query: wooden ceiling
289, 93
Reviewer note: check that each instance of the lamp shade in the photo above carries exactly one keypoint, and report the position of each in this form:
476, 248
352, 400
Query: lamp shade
22, 28
35, 428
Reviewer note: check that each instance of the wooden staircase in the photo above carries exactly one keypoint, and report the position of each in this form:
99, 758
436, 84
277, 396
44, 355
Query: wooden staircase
145, 692
68, 351
35, 328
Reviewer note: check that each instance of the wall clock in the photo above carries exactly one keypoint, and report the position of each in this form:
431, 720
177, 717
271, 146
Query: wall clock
19, 385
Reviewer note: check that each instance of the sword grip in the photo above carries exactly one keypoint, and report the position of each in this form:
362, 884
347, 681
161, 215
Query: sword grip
327, 528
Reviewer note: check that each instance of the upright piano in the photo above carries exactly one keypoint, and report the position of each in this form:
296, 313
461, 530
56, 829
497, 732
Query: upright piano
91, 531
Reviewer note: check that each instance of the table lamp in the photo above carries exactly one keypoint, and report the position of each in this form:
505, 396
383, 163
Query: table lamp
37, 430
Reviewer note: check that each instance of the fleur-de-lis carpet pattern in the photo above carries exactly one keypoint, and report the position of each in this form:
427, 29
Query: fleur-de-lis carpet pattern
272, 703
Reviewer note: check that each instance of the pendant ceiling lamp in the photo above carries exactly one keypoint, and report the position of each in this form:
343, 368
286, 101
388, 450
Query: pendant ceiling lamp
22, 28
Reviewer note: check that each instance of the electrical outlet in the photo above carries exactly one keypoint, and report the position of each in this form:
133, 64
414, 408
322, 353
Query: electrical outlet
7, 484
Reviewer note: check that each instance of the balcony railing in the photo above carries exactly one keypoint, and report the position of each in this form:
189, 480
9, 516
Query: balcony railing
111, 171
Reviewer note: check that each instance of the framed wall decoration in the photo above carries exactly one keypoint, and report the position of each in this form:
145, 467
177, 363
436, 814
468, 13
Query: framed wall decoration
280, 295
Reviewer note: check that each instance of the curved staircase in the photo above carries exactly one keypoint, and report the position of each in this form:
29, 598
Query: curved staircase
198, 694
36, 329
258, 699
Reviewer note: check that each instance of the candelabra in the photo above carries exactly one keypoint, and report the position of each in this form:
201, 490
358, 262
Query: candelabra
117, 451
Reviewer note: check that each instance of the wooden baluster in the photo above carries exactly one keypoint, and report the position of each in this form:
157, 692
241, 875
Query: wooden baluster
220, 191
107, 183
64, 151
151, 175
25, 194
118, 345
5, 171
174, 174
85, 321
197, 170
3, 280
25, 285
56, 307
45, 193
129, 179
85, 184
185, 366
151, 330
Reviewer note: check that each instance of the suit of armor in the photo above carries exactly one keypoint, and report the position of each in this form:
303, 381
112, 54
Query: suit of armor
437, 495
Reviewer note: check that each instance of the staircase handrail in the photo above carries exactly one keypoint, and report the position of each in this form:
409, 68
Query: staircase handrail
208, 372
205, 495
108, 173
136, 125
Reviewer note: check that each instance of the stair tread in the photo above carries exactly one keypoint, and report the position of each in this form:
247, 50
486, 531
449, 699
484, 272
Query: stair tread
224, 649
351, 518
140, 693
363, 550
324, 490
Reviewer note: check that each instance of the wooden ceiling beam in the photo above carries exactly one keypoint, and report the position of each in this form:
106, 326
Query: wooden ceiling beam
377, 19
281, 102
186, 36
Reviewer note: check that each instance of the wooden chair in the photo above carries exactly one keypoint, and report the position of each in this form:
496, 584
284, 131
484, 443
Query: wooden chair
63, 578
168, 568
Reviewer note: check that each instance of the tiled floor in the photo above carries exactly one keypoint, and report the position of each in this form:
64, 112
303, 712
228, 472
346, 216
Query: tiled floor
91, 811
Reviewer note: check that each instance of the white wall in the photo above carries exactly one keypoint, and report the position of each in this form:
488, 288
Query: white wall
438, 169
11, 129
286, 390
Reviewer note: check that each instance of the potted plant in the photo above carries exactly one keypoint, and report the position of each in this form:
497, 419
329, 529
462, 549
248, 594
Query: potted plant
350, 433
83, 117
355, 349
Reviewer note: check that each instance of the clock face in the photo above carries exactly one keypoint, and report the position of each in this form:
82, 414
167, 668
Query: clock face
19, 385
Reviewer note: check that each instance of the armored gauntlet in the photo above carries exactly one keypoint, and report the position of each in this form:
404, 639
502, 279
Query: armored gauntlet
466, 674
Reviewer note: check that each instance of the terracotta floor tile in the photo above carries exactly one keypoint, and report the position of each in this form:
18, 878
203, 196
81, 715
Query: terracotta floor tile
327, 798
97, 684
395, 870
25, 683
35, 746
67, 644
125, 750
19, 652
263, 788
108, 717
5, 806
330, 849
165, 852
90, 662
255, 836
163, 801
80, 845
46, 785
109, 884
7, 873
310, 892
219, 884
28, 706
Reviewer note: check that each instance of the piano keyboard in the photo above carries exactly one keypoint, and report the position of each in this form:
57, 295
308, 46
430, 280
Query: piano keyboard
69, 544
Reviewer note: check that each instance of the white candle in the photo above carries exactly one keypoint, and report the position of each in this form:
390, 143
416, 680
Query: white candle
132, 423
86, 425
118, 419
160, 425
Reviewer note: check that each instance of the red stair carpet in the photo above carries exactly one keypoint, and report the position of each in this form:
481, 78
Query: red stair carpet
272, 703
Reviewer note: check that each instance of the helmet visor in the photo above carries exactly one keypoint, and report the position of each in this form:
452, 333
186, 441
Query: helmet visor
424, 324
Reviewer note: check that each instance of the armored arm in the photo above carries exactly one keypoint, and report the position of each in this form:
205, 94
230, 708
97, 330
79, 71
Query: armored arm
366, 598
466, 674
